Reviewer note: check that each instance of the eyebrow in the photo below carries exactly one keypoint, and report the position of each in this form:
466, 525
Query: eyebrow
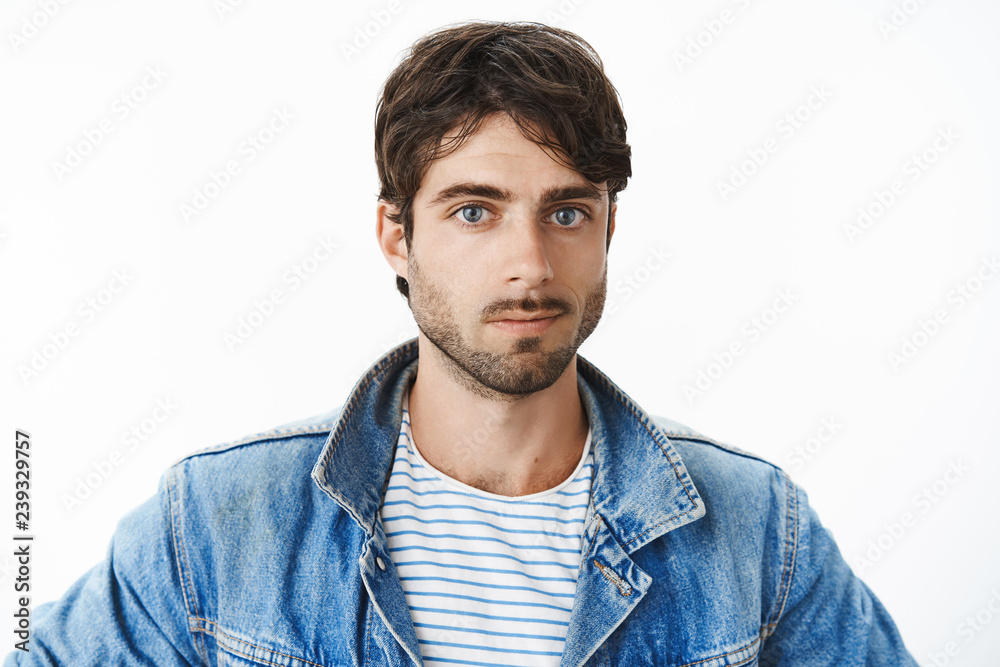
484, 191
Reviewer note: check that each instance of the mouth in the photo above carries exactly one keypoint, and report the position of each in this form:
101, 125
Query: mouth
523, 323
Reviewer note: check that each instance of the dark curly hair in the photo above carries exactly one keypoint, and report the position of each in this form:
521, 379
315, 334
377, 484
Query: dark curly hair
542, 77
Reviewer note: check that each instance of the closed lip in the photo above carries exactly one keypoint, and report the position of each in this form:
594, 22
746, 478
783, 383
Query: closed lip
522, 317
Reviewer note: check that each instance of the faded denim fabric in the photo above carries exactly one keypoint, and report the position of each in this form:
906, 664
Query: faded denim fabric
268, 551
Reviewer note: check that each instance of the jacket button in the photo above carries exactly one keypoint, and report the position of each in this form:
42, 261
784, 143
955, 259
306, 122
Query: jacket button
380, 563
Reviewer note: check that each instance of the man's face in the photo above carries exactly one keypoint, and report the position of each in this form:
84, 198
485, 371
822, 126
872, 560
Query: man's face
503, 232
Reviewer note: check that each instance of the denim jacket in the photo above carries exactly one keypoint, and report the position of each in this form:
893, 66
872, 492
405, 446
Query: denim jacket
269, 551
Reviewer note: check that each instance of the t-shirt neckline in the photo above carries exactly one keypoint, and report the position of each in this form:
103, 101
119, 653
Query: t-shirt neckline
451, 481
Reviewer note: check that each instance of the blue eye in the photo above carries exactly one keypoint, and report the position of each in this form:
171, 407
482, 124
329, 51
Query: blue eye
567, 216
471, 218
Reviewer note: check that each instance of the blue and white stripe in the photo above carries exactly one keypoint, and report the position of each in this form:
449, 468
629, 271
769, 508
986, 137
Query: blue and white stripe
489, 579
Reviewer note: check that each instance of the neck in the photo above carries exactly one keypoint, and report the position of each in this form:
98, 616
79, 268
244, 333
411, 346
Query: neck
506, 445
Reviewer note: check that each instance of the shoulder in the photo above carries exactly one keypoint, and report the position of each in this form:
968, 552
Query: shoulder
249, 500
701, 446
279, 456
238, 517
725, 474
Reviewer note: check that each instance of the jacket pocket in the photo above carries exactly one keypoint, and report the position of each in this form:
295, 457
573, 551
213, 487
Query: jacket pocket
235, 652
226, 659
742, 655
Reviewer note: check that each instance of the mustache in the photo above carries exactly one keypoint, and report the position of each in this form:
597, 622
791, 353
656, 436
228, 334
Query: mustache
528, 305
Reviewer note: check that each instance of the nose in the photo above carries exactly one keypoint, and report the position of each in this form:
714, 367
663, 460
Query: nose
526, 253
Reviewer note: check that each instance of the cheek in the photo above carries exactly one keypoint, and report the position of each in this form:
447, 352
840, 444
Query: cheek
593, 293
586, 272
451, 287
466, 270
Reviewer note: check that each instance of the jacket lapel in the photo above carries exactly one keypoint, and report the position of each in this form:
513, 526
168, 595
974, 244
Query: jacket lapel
354, 469
641, 491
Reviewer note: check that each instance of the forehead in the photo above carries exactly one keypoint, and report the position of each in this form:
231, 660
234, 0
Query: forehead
499, 152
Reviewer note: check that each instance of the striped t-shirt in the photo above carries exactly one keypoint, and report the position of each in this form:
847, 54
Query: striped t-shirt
489, 579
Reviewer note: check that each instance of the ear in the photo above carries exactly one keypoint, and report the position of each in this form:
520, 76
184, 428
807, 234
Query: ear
390, 237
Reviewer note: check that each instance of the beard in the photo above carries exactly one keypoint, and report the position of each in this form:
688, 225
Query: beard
500, 376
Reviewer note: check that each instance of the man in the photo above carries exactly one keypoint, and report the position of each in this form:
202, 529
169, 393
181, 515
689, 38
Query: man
505, 504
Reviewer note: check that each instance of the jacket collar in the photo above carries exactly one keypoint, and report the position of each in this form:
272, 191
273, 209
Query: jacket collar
641, 488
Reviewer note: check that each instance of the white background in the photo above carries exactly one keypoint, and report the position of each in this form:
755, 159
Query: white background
892, 88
